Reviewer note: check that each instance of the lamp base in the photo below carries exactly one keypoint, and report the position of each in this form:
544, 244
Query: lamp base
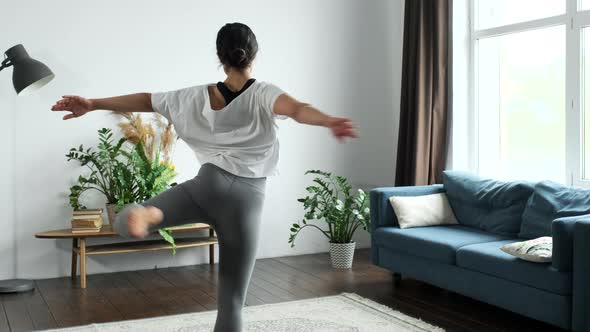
16, 286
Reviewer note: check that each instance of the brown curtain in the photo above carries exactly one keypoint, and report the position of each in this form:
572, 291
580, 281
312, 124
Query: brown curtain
422, 141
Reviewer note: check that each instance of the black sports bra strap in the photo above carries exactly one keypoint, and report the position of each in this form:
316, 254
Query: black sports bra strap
229, 95
225, 92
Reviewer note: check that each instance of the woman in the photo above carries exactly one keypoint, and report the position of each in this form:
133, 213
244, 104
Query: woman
230, 126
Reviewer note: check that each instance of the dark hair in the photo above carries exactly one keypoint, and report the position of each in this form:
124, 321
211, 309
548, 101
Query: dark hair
236, 45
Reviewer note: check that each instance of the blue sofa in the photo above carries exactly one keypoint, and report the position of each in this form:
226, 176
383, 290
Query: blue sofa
467, 259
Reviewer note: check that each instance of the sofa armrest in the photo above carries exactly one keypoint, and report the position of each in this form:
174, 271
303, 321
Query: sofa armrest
562, 231
581, 276
382, 214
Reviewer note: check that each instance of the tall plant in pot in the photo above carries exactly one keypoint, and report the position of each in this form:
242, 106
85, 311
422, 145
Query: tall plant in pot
152, 167
109, 171
133, 169
330, 200
151, 155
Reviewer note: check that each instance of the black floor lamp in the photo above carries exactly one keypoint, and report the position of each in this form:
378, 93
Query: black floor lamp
28, 75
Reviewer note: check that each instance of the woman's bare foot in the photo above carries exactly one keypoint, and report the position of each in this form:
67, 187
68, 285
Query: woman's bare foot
139, 219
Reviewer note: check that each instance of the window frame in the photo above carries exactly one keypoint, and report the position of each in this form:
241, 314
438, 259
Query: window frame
574, 21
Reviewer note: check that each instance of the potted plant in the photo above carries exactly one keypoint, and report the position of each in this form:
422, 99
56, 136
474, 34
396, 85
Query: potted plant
133, 169
331, 200
150, 178
151, 163
110, 172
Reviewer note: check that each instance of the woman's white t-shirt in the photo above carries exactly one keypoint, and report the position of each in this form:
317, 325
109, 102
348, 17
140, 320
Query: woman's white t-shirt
241, 138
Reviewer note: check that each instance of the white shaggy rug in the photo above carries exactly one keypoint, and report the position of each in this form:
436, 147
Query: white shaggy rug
341, 313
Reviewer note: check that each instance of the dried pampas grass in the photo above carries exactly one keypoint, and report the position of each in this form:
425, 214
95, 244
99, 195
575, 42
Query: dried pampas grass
136, 130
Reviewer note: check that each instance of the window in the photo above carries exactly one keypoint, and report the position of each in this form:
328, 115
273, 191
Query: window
521, 89
502, 12
531, 89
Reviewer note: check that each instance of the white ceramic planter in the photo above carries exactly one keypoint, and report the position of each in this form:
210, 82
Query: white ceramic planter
342, 254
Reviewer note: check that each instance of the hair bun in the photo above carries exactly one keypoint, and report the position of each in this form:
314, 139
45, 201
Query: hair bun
236, 46
238, 56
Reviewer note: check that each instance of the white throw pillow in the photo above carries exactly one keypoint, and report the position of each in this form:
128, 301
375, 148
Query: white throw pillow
427, 210
537, 250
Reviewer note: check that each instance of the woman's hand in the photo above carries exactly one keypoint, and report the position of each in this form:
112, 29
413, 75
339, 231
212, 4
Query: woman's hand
78, 106
341, 128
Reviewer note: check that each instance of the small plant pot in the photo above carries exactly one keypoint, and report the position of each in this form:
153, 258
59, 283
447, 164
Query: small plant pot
111, 214
342, 254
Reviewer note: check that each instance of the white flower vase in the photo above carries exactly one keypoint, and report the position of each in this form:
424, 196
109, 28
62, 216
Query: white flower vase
342, 254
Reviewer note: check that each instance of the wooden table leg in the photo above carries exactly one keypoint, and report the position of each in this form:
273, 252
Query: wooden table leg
74, 258
82, 262
211, 248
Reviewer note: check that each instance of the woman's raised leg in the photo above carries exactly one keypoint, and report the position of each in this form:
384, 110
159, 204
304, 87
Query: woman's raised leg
173, 207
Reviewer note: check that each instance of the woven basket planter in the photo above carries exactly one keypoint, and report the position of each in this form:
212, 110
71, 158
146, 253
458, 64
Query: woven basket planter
342, 254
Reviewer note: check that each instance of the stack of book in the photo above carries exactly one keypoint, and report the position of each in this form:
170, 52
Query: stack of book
85, 221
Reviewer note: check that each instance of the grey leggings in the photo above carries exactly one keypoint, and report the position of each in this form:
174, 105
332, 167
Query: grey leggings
231, 205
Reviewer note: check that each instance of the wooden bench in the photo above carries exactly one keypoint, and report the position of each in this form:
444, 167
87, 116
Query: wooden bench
80, 248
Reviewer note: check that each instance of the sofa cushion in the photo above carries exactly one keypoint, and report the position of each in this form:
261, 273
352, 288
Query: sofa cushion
537, 250
487, 204
425, 210
381, 211
434, 242
551, 201
489, 259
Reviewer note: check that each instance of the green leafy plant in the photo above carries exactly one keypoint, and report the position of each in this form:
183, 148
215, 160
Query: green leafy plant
122, 176
331, 200
124, 173
167, 235
110, 173
150, 177
152, 172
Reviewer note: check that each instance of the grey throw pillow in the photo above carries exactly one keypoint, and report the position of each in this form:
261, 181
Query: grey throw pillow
536, 250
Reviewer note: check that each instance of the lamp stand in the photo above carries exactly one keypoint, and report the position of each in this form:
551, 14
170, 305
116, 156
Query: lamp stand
27, 73
16, 286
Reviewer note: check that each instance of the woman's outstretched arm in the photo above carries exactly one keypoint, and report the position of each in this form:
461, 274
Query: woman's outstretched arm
78, 106
307, 114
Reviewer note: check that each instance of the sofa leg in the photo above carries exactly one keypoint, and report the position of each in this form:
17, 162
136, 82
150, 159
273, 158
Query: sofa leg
397, 279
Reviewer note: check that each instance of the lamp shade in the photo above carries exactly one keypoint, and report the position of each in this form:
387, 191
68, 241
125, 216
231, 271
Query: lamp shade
28, 74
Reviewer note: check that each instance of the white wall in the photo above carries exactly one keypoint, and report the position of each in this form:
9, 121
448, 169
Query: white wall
343, 56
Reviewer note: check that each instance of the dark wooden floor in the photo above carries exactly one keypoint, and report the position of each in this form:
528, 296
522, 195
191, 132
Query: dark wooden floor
140, 294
